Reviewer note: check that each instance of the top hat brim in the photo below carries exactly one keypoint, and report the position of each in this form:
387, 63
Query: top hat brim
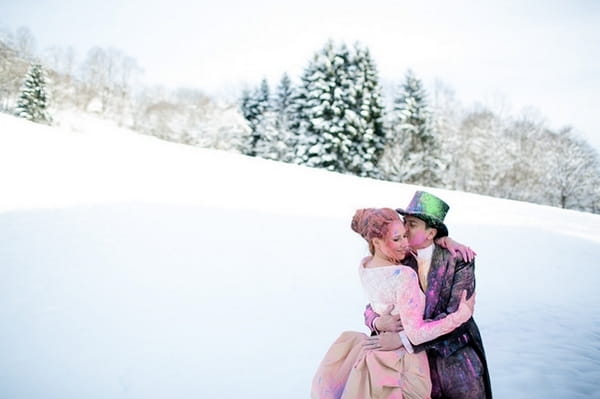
442, 230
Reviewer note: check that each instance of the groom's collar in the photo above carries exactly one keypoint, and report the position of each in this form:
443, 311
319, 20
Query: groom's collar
426, 253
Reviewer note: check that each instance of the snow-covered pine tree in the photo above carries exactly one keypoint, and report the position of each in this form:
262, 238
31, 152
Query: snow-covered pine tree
263, 97
285, 107
303, 137
246, 105
253, 105
413, 152
364, 123
340, 123
321, 109
283, 103
272, 140
34, 98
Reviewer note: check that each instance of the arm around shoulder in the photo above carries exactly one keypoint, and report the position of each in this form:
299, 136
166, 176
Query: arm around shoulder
411, 303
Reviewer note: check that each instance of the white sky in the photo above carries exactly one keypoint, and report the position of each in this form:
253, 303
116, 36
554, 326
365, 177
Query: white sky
544, 54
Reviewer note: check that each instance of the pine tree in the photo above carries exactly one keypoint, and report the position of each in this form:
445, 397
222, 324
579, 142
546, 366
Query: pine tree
245, 108
272, 140
285, 107
33, 100
253, 105
283, 102
340, 112
364, 122
304, 138
263, 97
320, 110
413, 153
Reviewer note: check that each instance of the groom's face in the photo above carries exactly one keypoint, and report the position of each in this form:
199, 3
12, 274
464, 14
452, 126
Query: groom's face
419, 235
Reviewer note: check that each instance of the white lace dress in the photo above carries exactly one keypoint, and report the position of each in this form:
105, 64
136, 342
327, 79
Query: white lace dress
399, 286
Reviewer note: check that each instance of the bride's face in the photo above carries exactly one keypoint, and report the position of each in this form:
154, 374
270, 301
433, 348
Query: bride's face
394, 245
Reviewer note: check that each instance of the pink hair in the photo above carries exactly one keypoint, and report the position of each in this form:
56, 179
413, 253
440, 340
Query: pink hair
373, 223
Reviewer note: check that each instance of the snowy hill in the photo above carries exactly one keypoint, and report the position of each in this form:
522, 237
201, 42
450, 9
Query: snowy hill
136, 268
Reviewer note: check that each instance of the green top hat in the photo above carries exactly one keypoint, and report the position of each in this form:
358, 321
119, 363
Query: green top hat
429, 208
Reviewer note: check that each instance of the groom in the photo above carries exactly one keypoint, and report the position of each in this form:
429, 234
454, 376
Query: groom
457, 360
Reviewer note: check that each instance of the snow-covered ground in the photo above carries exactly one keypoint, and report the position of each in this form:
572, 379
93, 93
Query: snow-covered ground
136, 268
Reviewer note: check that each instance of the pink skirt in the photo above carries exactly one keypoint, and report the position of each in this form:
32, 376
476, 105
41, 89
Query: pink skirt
348, 372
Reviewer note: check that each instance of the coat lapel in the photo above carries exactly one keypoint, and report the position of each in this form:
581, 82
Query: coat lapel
411, 262
435, 281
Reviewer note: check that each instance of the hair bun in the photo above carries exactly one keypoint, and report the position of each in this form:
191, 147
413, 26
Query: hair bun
373, 222
360, 221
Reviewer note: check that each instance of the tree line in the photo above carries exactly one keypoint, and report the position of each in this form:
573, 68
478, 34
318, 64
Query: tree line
108, 83
335, 117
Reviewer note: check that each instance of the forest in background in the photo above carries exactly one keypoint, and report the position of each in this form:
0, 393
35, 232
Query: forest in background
334, 116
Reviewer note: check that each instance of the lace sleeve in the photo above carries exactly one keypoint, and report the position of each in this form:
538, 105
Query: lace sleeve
411, 303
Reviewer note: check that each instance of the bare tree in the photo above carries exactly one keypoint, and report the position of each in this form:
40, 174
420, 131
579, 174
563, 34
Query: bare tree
12, 71
574, 172
109, 75
60, 59
24, 43
446, 119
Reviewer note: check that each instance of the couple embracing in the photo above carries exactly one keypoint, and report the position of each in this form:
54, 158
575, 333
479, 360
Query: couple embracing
424, 342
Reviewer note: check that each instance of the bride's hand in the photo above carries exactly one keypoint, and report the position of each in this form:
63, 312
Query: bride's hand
383, 342
455, 247
388, 322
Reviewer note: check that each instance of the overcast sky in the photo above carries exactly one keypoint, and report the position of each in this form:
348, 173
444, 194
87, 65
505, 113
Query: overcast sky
544, 54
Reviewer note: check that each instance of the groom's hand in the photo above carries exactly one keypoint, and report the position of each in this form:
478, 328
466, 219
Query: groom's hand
389, 322
383, 342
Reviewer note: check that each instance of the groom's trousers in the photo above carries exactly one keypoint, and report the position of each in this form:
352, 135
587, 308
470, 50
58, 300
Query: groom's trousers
459, 375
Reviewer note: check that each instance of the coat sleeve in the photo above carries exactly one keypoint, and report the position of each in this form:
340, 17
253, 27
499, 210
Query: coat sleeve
464, 279
411, 304
370, 317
